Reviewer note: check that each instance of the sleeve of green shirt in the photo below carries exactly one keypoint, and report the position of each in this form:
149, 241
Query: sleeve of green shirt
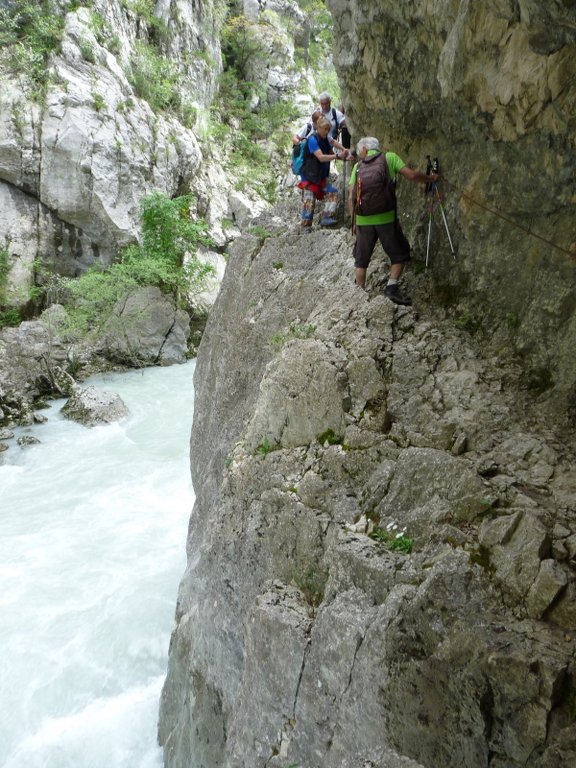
395, 163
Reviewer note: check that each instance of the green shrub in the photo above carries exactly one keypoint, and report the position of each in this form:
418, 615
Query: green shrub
154, 78
264, 448
397, 542
98, 101
10, 317
145, 10
242, 47
165, 259
468, 322
330, 437
295, 331
251, 135
312, 584
29, 33
87, 51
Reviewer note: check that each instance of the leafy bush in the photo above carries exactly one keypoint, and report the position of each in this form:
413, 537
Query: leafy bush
264, 448
295, 331
165, 260
29, 32
397, 542
9, 317
318, 53
145, 9
154, 78
242, 47
249, 135
87, 51
312, 584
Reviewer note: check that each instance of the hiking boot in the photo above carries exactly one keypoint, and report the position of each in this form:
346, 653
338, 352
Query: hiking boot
392, 292
327, 221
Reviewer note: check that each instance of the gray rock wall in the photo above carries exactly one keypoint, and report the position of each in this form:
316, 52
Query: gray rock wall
490, 89
74, 169
322, 412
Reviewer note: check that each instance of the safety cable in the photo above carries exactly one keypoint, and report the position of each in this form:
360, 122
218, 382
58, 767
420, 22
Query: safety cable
523, 228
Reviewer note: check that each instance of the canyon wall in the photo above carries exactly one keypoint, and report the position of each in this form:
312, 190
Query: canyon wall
77, 156
382, 554
490, 89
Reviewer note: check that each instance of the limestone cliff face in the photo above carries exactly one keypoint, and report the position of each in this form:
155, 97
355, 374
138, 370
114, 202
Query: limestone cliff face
74, 167
333, 431
324, 414
489, 88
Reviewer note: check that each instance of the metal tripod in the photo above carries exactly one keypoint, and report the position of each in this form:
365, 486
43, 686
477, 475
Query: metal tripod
433, 195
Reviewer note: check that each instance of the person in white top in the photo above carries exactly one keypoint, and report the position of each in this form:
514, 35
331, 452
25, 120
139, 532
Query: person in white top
336, 118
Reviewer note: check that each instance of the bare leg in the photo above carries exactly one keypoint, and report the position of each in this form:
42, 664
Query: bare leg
361, 277
396, 271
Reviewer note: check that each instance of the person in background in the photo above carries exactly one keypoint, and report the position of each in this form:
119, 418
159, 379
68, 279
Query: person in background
314, 174
335, 117
372, 203
309, 127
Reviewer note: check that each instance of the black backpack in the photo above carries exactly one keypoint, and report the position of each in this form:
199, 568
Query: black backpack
374, 191
311, 166
334, 130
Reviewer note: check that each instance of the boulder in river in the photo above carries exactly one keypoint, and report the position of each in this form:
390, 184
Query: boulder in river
91, 406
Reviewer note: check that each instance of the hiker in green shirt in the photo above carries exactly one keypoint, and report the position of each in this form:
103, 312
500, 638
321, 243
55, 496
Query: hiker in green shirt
372, 203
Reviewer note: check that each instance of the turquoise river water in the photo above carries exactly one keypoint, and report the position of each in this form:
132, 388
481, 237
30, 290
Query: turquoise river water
92, 546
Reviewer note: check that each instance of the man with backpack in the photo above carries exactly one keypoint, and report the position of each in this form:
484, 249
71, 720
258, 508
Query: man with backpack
334, 116
372, 203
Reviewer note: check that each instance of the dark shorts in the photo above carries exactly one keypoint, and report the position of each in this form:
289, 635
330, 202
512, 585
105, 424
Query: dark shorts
392, 238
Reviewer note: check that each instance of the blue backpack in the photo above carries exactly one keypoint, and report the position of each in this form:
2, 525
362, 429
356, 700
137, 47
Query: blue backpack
299, 155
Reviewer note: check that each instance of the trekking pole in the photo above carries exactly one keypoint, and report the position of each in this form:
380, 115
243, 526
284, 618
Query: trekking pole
436, 169
344, 164
428, 190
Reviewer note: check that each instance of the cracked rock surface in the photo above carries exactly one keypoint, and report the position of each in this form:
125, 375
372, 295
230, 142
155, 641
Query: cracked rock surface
324, 413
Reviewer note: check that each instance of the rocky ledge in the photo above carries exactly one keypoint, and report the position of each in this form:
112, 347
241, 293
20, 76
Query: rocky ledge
381, 558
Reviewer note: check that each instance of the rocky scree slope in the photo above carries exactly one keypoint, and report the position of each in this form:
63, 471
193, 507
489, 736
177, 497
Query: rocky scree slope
299, 639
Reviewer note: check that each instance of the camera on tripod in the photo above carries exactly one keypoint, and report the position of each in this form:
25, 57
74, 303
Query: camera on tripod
432, 166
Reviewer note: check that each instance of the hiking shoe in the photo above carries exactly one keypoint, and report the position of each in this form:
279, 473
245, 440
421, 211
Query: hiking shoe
392, 292
326, 221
